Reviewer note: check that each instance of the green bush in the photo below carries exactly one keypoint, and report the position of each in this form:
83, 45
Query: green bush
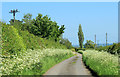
11, 41
52, 44
31, 41
81, 52
0, 36
34, 42
66, 42
89, 44
113, 49
77, 49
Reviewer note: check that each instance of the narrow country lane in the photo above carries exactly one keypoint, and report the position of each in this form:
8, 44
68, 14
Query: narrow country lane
71, 66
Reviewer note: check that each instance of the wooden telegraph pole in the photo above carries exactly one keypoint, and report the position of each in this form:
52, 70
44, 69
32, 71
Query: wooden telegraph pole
14, 11
95, 40
106, 39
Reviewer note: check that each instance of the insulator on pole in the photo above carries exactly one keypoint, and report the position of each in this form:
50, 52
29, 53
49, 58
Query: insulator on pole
14, 11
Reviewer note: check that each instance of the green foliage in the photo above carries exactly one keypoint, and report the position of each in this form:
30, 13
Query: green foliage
34, 42
102, 63
31, 41
80, 51
113, 49
34, 62
45, 28
66, 42
11, 41
40, 33
89, 44
17, 40
17, 24
52, 44
46, 63
27, 21
80, 36
0, 36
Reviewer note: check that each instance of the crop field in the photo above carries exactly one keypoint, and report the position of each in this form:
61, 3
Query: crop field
33, 62
102, 63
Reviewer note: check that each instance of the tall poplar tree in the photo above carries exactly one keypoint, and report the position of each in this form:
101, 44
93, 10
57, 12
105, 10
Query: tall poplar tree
80, 36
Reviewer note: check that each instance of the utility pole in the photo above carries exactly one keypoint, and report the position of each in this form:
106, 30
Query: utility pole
106, 39
95, 40
97, 43
14, 11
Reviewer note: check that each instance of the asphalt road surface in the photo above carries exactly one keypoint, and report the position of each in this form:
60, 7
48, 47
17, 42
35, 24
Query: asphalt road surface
71, 66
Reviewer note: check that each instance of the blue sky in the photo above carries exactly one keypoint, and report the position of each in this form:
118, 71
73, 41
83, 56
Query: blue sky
94, 17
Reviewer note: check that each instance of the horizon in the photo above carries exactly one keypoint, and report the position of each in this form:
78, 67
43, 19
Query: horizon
94, 17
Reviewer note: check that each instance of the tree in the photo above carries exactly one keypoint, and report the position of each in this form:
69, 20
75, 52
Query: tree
80, 36
45, 28
89, 44
27, 21
66, 42
27, 18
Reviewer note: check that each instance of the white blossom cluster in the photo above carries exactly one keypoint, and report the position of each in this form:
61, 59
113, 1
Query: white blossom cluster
102, 62
18, 63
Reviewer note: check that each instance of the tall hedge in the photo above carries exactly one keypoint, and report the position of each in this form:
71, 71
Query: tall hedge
11, 41
31, 41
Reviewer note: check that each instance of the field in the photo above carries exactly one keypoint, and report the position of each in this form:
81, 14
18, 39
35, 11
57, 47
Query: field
33, 62
102, 63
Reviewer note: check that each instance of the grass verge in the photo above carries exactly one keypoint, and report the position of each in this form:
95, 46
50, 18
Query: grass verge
34, 62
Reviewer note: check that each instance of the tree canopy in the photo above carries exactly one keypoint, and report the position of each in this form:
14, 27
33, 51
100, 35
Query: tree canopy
89, 44
42, 26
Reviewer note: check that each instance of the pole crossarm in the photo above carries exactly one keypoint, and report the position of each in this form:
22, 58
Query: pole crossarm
14, 11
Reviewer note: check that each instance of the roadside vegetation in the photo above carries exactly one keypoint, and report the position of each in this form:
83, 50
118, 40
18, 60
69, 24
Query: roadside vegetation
103, 60
102, 63
32, 46
33, 62
112, 49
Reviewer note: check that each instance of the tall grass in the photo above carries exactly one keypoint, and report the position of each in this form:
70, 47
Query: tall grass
33, 62
102, 63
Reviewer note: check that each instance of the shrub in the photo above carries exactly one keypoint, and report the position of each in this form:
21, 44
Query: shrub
31, 41
52, 44
34, 42
89, 44
80, 51
11, 41
113, 49
72, 49
66, 42
77, 49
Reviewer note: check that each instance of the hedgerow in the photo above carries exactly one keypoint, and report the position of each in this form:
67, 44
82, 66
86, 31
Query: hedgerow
102, 63
33, 62
11, 41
